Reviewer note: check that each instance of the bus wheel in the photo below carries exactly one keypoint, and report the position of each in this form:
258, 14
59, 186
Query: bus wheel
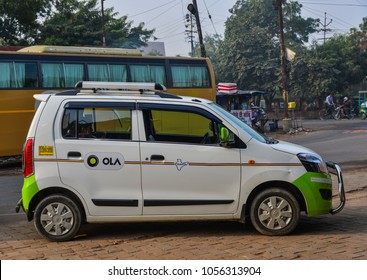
275, 211
57, 218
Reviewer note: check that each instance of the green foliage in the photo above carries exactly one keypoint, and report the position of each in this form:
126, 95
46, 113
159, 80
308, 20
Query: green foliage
248, 55
311, 76
19, 20
79, 23
68, 23
337, 65
72, 23
296, 28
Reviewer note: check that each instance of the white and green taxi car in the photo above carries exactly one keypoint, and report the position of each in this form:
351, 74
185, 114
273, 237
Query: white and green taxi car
126, 152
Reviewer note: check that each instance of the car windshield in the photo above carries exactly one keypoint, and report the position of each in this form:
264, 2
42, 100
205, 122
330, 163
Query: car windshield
249, 130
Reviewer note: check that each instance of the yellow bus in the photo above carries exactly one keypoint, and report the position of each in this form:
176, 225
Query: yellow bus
36, 69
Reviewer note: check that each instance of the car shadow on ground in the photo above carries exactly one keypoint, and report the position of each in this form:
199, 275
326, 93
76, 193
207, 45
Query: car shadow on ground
344, 222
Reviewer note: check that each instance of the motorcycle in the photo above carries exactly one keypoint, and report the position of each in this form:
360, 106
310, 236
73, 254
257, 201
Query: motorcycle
259, 118
363, 111
341, 112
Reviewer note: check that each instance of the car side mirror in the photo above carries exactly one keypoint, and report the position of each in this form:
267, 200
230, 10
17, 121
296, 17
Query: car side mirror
225, 139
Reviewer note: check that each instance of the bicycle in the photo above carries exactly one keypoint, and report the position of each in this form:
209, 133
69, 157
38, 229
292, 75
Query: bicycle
327, 113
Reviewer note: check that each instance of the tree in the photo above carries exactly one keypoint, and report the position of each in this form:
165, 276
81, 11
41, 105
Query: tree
79, 23
19, 20
312, 76
296, 28
249, 54
335, 66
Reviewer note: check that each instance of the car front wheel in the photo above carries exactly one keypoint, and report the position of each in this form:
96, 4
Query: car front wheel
275, 211
57, 218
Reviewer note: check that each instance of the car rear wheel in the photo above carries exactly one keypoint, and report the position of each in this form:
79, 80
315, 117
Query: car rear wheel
57, 218
275, 211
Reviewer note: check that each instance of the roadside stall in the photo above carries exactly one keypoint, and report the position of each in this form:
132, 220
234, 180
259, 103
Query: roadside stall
247, 105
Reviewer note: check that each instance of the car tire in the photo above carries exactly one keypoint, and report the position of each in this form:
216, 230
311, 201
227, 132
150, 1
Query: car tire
57, 218
275, 211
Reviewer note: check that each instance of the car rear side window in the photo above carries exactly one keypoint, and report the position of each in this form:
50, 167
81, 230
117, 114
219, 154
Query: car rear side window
97, 123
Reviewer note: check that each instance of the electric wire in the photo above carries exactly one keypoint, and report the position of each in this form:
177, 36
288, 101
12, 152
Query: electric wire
210, 17
147, 11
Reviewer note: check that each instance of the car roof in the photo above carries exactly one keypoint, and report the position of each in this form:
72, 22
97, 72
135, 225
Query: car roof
163, 97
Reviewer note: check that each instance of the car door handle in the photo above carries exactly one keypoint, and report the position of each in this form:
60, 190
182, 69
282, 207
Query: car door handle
156, 157
74, 154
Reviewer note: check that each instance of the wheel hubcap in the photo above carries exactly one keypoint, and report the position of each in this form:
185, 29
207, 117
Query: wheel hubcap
57, 219
275, 213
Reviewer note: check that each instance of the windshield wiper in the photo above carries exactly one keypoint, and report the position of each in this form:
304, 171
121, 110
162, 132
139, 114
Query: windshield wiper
271, 141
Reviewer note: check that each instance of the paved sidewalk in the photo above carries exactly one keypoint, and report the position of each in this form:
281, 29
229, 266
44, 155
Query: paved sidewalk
339, 237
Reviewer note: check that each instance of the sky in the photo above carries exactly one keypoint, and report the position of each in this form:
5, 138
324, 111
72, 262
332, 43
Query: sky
167, 17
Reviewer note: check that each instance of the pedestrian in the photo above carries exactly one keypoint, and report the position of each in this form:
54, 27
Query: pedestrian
329, 103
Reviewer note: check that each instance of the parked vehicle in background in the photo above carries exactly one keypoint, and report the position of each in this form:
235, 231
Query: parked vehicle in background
259, 118
362, 102
363, 111
36, 69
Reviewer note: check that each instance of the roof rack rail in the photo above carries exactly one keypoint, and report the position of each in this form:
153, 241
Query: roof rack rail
95, 85
118, 88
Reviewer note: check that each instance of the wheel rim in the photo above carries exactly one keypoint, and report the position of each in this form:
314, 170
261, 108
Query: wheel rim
275, 213
57, 219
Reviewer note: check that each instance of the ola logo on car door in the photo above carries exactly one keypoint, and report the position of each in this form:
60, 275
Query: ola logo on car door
92, 161
104, 161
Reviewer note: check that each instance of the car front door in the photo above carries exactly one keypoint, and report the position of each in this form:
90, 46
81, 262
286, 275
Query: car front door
185, 170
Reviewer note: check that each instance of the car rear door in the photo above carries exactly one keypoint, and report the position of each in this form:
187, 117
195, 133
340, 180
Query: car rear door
98, 155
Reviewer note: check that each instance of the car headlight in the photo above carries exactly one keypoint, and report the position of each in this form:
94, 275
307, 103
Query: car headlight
313, 163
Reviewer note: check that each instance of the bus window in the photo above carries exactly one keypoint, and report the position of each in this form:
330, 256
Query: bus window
190, 76
73, 74
18, 75
107, 72
148, 74
31, 75
118, 73
61, 75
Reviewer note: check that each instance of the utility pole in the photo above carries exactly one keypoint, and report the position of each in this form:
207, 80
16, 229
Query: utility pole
103, 25
193, 8
190, 32
278, 7
324, 29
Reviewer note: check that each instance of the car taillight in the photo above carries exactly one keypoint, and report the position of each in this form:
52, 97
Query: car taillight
28, 158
